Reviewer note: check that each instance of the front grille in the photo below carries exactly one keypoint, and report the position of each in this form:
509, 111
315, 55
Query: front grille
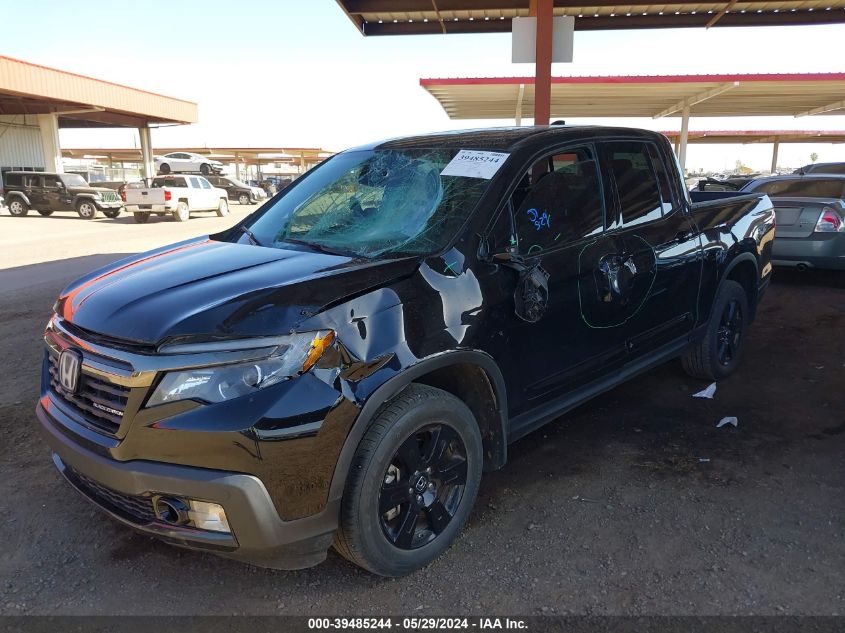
135, 509
108, 196
96, 400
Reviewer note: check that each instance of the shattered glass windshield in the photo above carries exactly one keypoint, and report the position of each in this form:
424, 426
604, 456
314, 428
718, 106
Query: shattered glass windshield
373, 203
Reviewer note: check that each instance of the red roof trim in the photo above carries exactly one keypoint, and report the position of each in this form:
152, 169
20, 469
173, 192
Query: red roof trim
102, 81
634, 79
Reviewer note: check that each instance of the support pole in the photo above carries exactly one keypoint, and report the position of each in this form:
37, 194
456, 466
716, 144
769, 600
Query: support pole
682, 154
50, 147
543, 11
148, 168
775, 147
237, 166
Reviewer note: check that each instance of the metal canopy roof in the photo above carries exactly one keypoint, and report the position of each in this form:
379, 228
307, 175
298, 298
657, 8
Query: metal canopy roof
645, 96
410, 17
761, 136
243, 155
81, 101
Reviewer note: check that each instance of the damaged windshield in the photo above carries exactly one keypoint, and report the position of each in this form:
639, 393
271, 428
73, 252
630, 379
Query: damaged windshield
371, 203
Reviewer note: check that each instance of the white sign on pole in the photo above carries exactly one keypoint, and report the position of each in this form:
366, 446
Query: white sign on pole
524, 39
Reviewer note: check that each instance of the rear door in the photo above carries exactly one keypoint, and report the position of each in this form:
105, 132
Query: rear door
34, 189
648, 264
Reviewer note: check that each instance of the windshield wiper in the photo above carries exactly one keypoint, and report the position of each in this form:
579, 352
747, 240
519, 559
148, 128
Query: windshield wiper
250, 235
319, 247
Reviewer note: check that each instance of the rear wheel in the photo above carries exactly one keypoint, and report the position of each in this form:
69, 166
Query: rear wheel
18, 207
141, 217
164, 168
412, 482
45, 212
243, 199
86, 210
182, 212
223, 207
112, 213
718, 354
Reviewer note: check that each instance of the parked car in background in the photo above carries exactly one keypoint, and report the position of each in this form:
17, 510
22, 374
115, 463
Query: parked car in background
47, 193
186, 162
822, 168
236, 189
341, 366
734, 183
810, 219
178, 195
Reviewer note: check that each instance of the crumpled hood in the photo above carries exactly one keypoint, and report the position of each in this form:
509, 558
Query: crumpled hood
210, 289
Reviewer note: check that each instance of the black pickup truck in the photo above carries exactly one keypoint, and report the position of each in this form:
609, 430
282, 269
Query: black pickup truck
341, 366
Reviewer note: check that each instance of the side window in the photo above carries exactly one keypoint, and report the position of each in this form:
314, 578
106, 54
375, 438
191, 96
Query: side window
204, 183
667, 192
195, 183
636, 183
51, 182
13, 180
558, 201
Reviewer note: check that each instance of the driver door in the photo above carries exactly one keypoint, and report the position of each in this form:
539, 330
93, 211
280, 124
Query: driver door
557, 213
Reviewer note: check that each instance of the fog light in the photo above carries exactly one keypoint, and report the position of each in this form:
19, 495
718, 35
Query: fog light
208, 516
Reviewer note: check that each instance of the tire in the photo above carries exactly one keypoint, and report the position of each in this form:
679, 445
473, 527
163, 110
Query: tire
223, 207
182, 212
164, 168
205, 169
243, 199
112, 213
717, 355
141, 217
389, 449
18, 207
45, 212
86, 209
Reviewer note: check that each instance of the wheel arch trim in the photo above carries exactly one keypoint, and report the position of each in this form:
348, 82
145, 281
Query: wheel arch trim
394, 385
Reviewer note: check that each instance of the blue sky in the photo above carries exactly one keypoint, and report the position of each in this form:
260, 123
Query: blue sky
299, 73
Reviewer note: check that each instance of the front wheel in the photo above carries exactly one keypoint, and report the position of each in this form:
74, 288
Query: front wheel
205, 169
182, 212
18, 208
45, 212
412, 483
717, 355
86, 210
223, 207
243, 199
112, 213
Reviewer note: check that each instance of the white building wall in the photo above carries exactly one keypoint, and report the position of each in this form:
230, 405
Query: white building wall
20, 142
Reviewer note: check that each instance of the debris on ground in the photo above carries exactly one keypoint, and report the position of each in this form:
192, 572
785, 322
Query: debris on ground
727, 420
707, 392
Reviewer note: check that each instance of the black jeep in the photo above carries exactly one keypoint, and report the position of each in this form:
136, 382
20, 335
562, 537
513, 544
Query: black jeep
49, 192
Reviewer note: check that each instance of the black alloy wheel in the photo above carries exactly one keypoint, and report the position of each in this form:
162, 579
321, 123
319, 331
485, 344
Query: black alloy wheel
423, 487
729, 332
412, 482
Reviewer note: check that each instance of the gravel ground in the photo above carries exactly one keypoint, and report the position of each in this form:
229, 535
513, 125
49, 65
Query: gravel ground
635, 503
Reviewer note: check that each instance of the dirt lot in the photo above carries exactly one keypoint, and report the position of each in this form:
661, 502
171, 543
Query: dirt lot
633, 504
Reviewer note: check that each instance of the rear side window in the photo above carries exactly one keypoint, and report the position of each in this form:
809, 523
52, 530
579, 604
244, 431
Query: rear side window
802, 188
835, 168
558, 201
204, 183
636, 182
169, 181
12, 180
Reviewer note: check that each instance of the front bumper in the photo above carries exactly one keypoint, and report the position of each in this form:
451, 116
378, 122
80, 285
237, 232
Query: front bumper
259, 536
108, 205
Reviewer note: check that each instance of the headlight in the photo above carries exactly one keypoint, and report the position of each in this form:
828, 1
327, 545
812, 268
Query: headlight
296, 355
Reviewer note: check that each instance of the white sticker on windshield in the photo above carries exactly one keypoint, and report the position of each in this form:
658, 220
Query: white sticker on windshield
475, 164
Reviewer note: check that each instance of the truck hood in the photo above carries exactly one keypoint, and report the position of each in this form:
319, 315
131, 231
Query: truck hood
204, 289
